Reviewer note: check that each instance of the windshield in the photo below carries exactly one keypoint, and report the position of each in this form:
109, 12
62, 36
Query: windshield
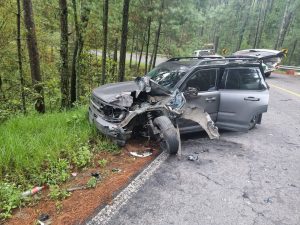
168, 75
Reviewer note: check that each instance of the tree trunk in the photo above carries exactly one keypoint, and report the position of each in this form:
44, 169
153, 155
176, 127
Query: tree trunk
79, 31
74, 60
64, 63
115, 57
20, 64
292, 51
216, 44
105, 28
266, 10
257, 28
124, 40
243, 28
148, 43
284, 26
156, 42
33, 55
131, 52
141, 54
1, 90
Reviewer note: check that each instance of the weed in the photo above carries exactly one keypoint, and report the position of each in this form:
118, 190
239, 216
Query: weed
102, 162
92, 182
10, 198
56, 173
57, 194
107, 145
58, 206
82, 156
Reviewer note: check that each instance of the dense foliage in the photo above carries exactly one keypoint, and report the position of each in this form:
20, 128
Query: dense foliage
70, 35
185, 26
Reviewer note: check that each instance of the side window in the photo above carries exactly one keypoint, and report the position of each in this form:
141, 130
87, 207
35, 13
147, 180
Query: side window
242, 79
203, 80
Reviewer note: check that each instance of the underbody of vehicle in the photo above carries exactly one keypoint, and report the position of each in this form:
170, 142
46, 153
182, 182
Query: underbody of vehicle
182, 94
270, 58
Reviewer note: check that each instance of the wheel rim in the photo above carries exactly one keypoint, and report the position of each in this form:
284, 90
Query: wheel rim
253, 121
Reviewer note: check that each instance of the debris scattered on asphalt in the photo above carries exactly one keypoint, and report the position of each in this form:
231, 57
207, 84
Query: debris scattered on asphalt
96, 175
192, 157
74, 174
141, 155
76, 188
32, 191
204, 150
268, 200
44, 219
116, 170
245, 195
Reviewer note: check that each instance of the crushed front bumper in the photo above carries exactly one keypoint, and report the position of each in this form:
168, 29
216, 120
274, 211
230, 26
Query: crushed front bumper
117, 133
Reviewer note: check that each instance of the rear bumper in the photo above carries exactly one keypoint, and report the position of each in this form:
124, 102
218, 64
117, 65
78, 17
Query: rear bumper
112, 130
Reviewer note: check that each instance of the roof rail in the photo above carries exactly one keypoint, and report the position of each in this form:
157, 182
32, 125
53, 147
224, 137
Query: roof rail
231, 60
195, 57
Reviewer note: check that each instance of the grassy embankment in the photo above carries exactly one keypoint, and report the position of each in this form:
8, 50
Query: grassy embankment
43, 150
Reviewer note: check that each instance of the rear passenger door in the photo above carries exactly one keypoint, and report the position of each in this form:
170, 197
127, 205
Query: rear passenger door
243, 94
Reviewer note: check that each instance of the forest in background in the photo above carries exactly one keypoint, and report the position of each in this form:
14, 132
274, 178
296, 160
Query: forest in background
49, 66
67, 31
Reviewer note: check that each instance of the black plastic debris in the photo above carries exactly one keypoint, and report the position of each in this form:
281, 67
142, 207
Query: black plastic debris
44, 219
116, 170
96, 175
268, 200
245, 195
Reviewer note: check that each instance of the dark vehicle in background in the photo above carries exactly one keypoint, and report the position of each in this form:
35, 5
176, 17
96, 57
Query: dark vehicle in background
230, 93
270, 58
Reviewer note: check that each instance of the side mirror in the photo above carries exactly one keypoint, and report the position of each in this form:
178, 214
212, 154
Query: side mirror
191, 91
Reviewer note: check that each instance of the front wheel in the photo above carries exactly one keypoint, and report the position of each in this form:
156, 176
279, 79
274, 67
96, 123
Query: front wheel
168, 135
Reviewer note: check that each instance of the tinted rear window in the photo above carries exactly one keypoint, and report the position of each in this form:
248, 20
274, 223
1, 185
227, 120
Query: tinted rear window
242, 79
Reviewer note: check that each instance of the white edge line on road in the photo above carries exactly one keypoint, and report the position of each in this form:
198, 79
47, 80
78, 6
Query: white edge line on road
104, 216
286, 90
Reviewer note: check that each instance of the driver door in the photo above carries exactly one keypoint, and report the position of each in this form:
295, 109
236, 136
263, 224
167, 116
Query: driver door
200, 90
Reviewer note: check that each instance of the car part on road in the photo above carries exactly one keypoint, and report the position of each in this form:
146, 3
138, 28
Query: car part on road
141, 155
44, 219
193, 157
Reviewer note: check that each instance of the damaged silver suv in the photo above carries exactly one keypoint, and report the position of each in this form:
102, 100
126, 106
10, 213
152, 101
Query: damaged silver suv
182, 95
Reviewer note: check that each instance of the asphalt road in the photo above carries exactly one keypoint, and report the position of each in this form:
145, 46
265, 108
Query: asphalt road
244, 178
135, 57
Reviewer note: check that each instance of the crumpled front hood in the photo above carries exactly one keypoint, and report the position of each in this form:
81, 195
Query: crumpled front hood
109, 92
123, 93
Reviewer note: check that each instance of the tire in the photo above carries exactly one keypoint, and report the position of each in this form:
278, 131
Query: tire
268, 74
168, 134
253, 122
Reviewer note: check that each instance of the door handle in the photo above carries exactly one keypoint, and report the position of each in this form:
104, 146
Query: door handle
210, 99
253, 99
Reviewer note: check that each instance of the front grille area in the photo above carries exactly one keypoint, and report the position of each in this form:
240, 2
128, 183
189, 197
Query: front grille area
108, 112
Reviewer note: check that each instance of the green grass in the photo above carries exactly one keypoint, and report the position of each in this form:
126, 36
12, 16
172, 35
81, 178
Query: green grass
42, 149
27, 143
